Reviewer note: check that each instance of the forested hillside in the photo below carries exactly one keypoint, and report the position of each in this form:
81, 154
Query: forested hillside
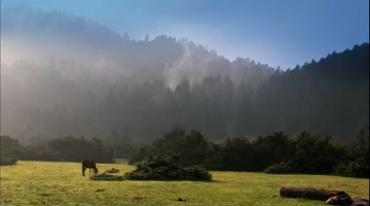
65, 74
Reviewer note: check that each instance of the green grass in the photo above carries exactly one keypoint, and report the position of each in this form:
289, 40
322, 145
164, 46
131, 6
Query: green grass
62, 183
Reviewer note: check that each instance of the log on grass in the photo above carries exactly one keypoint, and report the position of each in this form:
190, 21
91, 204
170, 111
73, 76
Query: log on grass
309, 193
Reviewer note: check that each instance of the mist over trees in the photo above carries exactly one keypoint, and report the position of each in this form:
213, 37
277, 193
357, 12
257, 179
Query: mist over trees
63, 74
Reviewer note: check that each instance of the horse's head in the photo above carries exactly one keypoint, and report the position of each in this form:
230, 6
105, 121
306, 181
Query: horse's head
96, 170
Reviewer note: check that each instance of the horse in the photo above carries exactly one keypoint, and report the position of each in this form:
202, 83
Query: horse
89, 164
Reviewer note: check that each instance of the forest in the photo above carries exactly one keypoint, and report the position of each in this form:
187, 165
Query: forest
328, 97
69, 81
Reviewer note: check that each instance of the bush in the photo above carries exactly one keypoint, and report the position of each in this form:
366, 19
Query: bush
352, 169
279, 168
8, 161
107, 177
192, 149
113, 170
159, 168
197, 173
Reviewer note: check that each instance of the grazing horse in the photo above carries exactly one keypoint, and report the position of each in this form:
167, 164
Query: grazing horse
89, 164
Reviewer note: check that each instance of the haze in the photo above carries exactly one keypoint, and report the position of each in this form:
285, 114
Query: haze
278, 33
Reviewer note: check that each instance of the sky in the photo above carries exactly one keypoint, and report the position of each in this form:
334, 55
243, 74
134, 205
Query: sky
280, 33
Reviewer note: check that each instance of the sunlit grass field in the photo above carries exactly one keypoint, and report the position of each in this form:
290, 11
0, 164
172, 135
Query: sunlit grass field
62, 183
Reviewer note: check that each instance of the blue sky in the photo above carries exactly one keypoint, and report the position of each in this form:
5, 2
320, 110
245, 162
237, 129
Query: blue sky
277, 32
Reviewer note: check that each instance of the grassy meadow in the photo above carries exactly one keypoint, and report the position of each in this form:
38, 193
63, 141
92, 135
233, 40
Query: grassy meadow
62, 183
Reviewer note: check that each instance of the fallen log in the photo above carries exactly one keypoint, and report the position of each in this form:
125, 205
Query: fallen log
310, 193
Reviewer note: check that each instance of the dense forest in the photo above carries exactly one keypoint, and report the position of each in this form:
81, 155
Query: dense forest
63, 74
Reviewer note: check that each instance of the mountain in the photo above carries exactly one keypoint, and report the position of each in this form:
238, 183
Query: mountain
30, 34
65, 74
330, 96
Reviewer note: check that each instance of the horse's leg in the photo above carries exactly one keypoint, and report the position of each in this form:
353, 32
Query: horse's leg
83, 167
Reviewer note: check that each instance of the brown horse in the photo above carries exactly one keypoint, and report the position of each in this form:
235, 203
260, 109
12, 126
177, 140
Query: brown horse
89, 164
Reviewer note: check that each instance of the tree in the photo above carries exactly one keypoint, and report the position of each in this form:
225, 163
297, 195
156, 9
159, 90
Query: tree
69, 148
195, 149
357, 164
234, 154
11, 150
190, 149
272, 149
315, 155
146, 37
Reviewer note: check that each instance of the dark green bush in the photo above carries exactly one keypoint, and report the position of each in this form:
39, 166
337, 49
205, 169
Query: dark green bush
197, 173
352, 169
112, 170
160, 168
8, 161
107, 177
279, 168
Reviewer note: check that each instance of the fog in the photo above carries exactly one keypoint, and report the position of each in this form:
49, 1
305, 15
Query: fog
54, 59
34, 35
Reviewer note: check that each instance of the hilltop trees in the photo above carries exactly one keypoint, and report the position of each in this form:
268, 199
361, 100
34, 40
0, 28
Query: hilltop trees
91, 81
327, 97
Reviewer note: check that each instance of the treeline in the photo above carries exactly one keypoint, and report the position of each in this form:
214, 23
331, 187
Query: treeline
305, 153
67, 148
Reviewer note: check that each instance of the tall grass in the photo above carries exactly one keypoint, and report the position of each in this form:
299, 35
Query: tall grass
62, 183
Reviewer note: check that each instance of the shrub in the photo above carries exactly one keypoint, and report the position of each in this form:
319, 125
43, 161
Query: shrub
192, 149
113, 170
107, 177
8, 161
352, 169
279, 168
159, 168
197, 173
